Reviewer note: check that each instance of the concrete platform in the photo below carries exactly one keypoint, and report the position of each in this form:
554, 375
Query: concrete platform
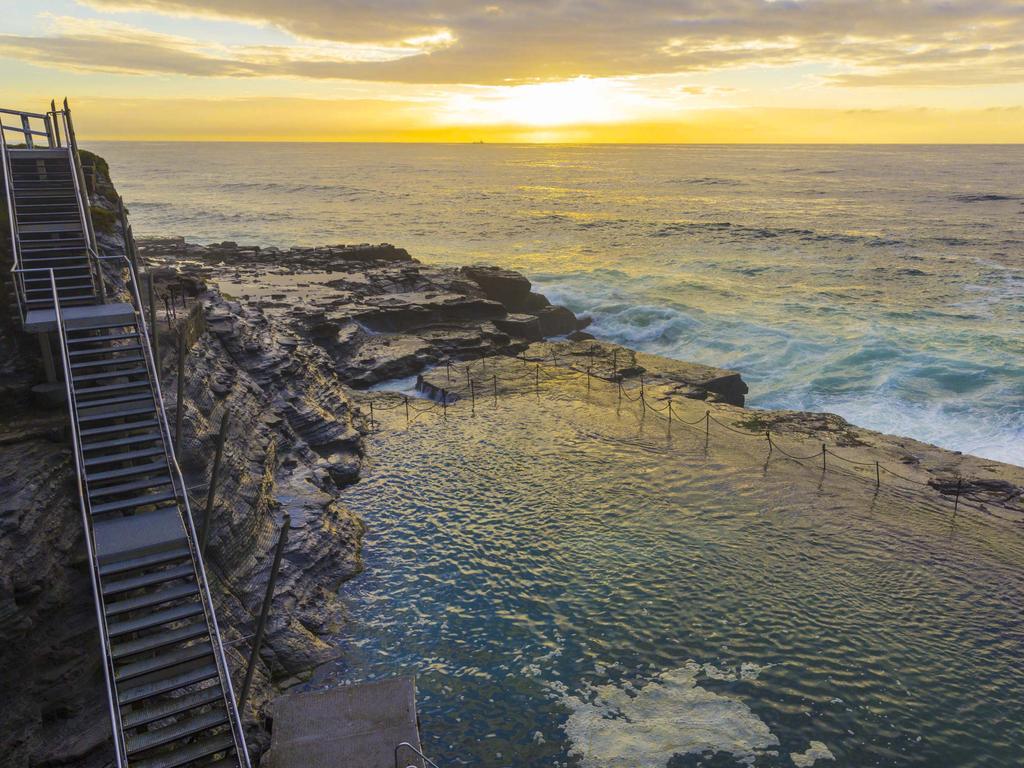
42, 320
354, 726
120, 538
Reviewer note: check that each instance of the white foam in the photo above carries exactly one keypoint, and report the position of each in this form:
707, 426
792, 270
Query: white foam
644, 725
817, 751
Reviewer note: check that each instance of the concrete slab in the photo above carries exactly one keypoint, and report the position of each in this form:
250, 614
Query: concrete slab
354, 726
42, 320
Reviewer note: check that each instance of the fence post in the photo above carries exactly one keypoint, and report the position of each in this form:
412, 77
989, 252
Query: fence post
264, 611
589, 366
495, 390
444, 402
956, 501
615, 362
537, 379
643, 400
823, 455
707, 425
878, 476
371, 415
670, 416
448, 370
472, 398
768, 434
211, 493
151, 290
406, 408
179, 414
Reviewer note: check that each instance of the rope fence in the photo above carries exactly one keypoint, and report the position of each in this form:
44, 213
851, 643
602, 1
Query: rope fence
478, 382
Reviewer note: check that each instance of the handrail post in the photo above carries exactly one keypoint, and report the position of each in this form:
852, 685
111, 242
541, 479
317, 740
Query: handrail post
153, 328
179, 412
211, 494
264, 612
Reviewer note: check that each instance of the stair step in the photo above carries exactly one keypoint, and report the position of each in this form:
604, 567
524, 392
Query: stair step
138, 501
164, 660
130, 583
168, 707
115, 458
154, 619
107, 362
106, 337
125, 323
106, 350
86, 391
136, 485
129, 440
156, 640
190, 753
146, 561
183, 728
110, 374
136, 398
86, 414
148, 600
139, 469
128, 426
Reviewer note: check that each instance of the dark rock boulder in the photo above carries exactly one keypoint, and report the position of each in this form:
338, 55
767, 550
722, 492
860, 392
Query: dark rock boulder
521, 327
510, 288
556, 321
398, 312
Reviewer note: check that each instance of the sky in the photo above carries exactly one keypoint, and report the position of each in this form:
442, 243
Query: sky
707, 71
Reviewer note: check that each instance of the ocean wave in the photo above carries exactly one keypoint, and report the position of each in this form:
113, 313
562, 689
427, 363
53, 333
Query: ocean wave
984, 198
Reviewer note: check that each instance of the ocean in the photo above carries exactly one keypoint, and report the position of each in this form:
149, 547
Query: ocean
881, 283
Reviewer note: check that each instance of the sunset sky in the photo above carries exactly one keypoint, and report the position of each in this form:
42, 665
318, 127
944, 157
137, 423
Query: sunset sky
530, 70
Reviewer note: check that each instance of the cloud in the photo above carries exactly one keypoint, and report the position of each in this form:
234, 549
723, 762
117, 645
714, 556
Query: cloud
869, 42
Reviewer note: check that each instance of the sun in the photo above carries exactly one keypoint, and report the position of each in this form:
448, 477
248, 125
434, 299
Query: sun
582, 100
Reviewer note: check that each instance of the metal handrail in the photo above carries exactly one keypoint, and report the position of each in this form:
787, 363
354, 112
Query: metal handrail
5, 156
181, 492
114, 705
411, 748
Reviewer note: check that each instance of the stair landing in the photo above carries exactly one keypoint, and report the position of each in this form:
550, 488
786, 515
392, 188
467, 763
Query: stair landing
42, 320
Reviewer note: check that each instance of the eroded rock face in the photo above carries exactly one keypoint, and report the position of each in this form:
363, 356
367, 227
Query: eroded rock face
378, 315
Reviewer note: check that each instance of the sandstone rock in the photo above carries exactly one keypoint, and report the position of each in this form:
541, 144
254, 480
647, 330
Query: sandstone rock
521, 327
503, 285
556, 321
406, 311
580, 336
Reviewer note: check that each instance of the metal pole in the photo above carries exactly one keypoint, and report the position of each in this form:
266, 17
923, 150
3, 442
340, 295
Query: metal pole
472, 397
154, 331
589, 366
211, 494
371, 415
768, 434
444, 403
956, 501
878, 476
264, 611
56, 125
448, 370
537, 377
707, 425
406, 409
179, 413
823, 454
495, 390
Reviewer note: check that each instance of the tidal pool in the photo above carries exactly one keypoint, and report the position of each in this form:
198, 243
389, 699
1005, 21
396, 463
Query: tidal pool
573, 587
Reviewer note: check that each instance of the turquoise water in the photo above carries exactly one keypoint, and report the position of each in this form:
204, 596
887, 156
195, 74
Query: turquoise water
885, 284
572, 587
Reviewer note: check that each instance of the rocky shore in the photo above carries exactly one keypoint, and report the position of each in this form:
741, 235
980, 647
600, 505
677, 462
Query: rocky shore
294, 339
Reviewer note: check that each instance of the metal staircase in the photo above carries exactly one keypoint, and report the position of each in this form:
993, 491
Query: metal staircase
169, 689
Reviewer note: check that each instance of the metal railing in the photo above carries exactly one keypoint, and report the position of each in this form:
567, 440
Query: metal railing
420, 755
185, 509
120, 752
52, 123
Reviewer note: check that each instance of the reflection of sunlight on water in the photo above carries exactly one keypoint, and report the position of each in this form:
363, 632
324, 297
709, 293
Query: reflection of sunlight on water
568, 585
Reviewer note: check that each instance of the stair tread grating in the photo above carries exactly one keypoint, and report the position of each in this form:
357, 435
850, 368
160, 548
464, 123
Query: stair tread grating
133, 503
190, 753
115, 458
164, 660
155, 619
130, 583
187, 726
150, 599
145, 561
171, 706
155, 640
149, 689
129, 440
138, 469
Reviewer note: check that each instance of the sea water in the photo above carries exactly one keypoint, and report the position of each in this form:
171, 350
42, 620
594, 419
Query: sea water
885, 284
574, 586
